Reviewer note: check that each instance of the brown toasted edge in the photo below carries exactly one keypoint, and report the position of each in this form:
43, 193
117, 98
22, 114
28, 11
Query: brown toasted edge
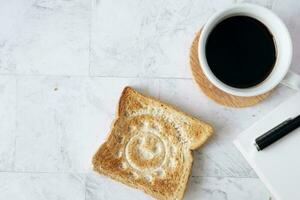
125, 93
129, 91
94, 159
95, 156
205, 133
206, 128
180, 193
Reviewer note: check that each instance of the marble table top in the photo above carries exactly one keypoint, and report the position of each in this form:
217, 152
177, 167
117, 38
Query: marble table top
63, 65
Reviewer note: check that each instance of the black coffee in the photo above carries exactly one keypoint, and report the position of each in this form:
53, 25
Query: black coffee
240, 51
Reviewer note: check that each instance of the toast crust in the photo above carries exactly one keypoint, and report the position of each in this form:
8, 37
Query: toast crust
149, 146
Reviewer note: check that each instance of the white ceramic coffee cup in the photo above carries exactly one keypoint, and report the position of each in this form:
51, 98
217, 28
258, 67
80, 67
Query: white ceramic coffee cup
284, 49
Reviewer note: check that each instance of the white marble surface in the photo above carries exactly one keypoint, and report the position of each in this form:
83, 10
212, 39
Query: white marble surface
63, 65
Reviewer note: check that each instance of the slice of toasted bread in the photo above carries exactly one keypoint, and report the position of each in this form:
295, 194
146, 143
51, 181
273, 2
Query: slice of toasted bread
149, 146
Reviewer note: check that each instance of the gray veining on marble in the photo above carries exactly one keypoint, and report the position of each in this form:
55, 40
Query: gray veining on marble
224, 188
25, 186
145, 38
49, 37
7, 122
73, 114
63, 65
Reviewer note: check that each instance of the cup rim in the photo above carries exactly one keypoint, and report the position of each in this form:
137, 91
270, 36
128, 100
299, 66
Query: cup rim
283, 59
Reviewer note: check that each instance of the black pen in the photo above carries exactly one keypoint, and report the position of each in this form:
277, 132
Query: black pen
277, 133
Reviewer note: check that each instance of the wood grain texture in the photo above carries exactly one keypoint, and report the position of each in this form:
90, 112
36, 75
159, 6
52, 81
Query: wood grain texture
213, 92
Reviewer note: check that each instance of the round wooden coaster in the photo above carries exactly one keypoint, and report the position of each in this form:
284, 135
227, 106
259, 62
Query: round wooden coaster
213, 92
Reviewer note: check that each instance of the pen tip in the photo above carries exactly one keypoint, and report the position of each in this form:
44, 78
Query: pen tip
257, 147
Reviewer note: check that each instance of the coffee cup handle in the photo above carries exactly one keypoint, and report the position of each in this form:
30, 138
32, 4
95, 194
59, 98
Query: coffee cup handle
292, 80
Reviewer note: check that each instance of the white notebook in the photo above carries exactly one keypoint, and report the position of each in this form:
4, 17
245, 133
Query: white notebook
278, 166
